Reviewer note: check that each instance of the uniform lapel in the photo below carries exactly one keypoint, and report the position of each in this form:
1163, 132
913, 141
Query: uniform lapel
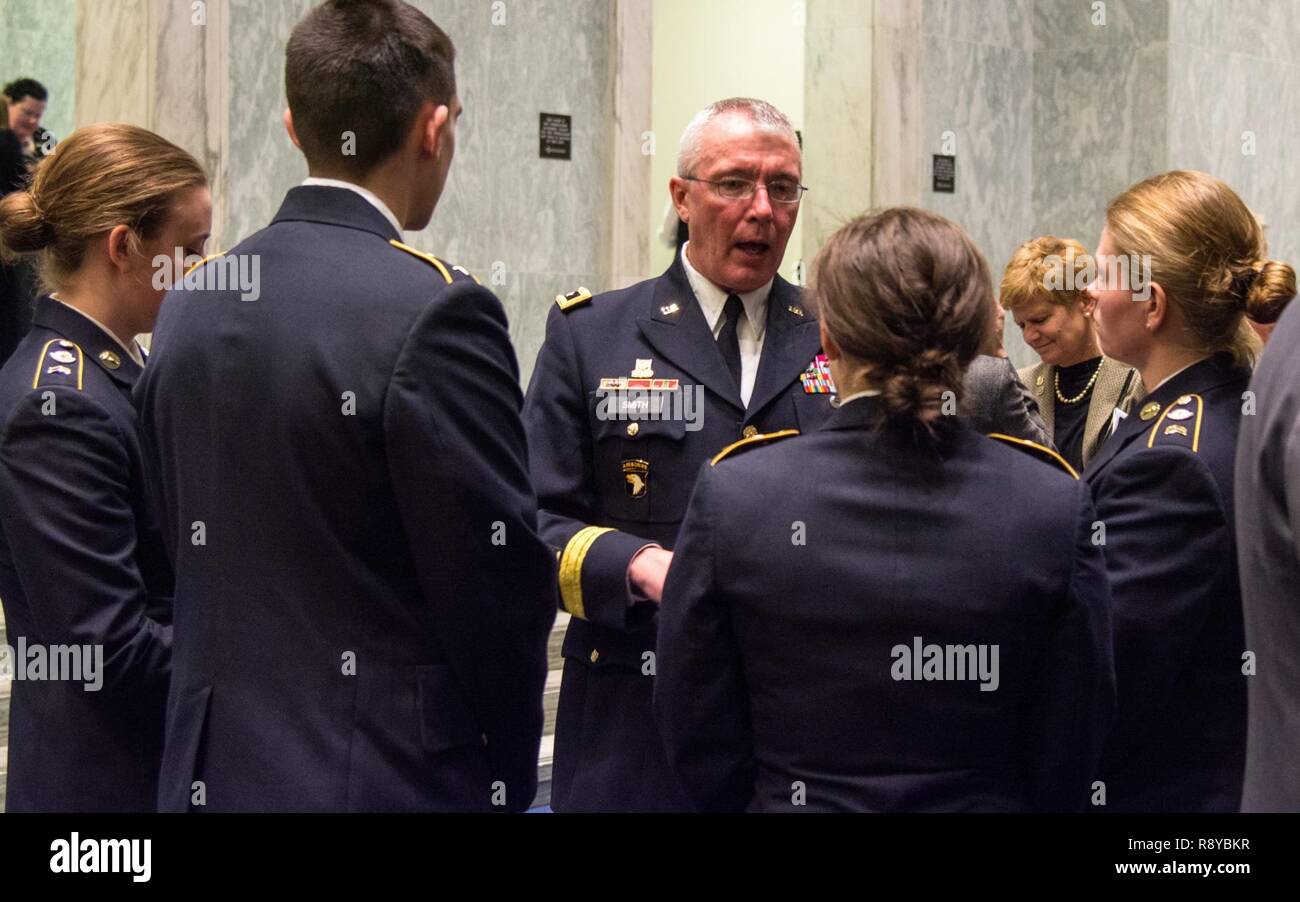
1129, 429
675, 327
1201, 376
790, 342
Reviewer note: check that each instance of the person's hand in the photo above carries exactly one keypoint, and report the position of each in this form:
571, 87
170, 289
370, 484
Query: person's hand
647, 571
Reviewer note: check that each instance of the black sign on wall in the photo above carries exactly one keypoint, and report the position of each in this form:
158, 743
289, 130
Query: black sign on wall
945, 174
556, 135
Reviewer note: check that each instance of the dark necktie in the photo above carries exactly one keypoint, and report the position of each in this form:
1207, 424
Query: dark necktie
728, 340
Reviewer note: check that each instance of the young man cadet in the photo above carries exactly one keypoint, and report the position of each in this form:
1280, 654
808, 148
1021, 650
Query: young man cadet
633, 391
362, 598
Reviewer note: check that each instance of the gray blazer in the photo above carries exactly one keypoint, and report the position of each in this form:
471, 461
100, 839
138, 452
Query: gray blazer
1115, 388
1268, 549
996, 401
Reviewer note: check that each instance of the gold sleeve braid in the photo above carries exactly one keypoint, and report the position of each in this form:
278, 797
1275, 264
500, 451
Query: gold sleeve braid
571, 560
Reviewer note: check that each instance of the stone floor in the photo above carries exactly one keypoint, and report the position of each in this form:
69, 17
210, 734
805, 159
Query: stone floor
548, 701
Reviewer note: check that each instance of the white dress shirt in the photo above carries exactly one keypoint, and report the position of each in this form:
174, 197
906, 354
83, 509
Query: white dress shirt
750, 329
368, 195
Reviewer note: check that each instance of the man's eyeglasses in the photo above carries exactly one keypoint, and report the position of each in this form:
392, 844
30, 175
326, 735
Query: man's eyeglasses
781, 191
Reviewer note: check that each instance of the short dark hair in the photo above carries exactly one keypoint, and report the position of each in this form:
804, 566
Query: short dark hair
19, 88
365, 67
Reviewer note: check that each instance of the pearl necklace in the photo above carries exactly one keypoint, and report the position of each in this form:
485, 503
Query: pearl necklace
1087, 388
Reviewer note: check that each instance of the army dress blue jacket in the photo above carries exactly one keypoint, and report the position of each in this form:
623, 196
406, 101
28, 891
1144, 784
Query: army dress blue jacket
1163, 487
362, 599
813, 579
81, 564
613, 477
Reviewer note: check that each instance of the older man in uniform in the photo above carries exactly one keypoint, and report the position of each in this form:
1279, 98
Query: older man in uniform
633, 391
362, 598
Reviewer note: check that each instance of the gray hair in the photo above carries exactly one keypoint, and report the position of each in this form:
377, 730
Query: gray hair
765, 117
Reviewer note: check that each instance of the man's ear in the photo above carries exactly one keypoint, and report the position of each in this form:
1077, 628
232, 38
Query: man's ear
119, 247
288, 126
829, 347
431, 123
1157, 308
677, 190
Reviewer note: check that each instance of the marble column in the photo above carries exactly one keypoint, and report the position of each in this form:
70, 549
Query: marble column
839, 111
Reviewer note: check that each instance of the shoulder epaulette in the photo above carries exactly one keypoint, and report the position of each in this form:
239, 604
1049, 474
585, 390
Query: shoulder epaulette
1037, 451
573, 298
204, 261
1180, 424
61, 363
752, 442
445, 270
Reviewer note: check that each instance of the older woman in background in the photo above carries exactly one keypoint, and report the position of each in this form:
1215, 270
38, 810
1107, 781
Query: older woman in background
1076, 387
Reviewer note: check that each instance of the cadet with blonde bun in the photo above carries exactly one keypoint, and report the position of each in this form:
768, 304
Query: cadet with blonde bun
1163, 484
82, 563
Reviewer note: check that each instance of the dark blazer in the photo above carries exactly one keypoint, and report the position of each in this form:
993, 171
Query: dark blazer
805, 566
610, 484
996, 401
362, 600
1268, 543
81, 564
1164, 493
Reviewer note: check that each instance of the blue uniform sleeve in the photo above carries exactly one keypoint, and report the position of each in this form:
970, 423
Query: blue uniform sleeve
68, 517
1077, 693
459, 464
1166, 531
593, 560
701, 701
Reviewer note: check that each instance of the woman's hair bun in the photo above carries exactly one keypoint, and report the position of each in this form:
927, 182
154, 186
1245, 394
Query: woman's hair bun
1271, 290
23, 228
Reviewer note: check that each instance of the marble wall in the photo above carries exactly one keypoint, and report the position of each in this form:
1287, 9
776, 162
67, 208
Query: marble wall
38, 40
530, 228
1052, 107
977, 102
838, 112
1234, 104
1100, 108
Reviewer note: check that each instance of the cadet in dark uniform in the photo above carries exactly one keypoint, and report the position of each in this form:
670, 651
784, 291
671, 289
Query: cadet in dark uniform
82, 563
844, 627
362, 599
633, 391
1163, 486
1268, 542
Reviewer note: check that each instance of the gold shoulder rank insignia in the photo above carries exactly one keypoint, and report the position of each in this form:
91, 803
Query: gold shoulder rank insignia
752, 441
1037, 451
573, 299
61, 363
427, 258
1185, 430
